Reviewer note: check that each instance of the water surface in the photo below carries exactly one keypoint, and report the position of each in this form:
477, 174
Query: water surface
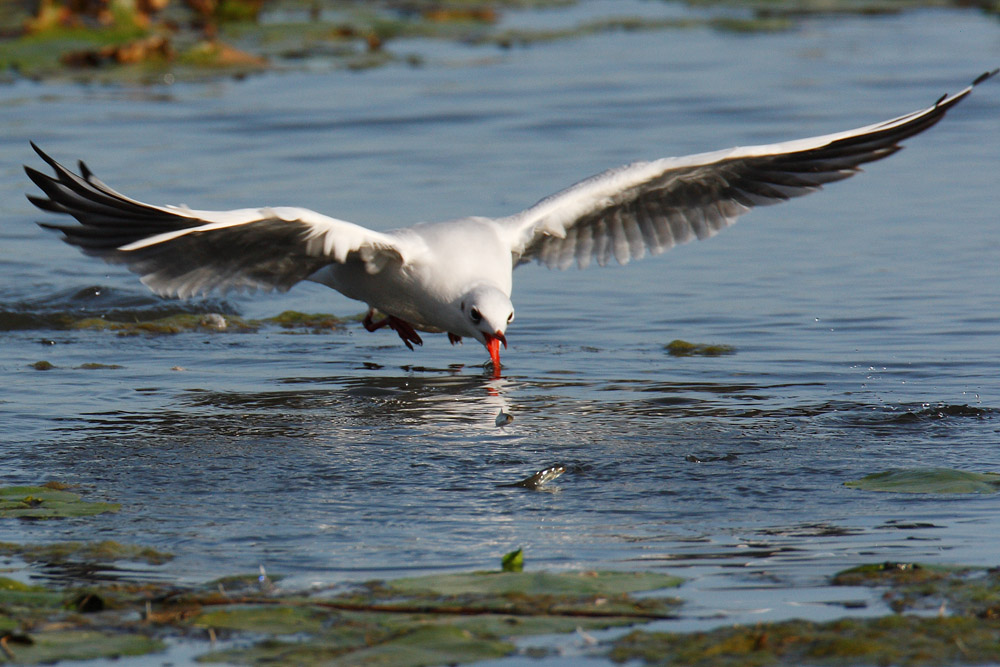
864, 319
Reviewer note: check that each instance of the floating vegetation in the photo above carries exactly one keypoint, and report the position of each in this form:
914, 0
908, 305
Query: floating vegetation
42, 502
42, 365
172, 324
433, 620
44, 648
889, 640
106, 551
682, 348
211, 322
315, 322
586, 590
513, 561
966, 635
956, 590
928, 480
157, 40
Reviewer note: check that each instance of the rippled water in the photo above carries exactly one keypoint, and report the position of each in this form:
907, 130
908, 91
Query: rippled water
864, 319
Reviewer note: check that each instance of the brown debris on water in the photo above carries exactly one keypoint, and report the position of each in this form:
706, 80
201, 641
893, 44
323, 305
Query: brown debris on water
154, 47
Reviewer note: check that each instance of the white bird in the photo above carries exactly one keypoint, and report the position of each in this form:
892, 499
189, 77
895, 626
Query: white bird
455, 277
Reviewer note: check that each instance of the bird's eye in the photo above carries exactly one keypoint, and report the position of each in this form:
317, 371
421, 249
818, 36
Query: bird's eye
510, 318
476, 316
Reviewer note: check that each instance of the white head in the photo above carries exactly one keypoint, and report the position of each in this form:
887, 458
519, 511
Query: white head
487, 311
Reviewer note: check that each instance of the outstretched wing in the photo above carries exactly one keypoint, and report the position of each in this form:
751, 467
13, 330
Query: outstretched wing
652, 206
181, 252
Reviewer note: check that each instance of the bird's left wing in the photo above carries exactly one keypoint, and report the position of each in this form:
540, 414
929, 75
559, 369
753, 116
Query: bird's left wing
178, 251
652, 206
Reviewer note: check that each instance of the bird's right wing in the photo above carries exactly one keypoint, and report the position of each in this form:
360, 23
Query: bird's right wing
181, 252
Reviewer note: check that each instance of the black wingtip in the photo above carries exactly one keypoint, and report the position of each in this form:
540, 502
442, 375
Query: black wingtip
42, 154
984, 76
45, 156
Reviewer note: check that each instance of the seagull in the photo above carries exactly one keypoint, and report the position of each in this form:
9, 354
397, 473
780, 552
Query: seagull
455, 277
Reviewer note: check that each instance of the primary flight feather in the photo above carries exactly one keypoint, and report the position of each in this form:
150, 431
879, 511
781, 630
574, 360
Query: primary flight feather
455, 277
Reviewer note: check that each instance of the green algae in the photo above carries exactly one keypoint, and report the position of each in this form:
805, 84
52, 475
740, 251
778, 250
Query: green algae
889, 640
965, 629
682, 348
40, 502
928, 480
957, 590
317, 322
172, 324
449, 619
104, 551
469, 617
289, 320
42, 366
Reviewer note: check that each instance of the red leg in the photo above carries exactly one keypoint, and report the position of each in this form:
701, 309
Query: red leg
405, 330
370, 324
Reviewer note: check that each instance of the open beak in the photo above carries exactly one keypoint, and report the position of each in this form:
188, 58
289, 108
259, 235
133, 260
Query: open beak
493, 346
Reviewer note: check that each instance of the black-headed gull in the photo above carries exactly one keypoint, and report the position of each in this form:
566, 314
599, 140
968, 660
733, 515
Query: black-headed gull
455, 277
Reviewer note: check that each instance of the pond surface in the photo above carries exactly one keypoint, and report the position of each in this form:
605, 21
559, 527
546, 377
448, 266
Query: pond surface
865, 321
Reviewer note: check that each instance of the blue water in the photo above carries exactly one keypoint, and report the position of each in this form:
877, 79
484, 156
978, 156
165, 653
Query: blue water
864, 319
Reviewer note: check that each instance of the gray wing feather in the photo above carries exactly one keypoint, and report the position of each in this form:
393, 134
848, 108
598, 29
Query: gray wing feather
649, 207
179, 252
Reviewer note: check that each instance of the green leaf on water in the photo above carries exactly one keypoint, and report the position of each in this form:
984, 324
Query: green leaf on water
513, 561
37, 502
928, 480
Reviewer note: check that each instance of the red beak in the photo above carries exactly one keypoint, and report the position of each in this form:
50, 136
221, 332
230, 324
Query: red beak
493, 346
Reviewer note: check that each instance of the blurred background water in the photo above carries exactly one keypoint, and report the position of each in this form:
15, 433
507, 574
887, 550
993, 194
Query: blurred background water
864, 319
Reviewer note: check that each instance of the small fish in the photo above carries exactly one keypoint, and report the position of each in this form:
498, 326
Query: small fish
540, 478
503, 418
213, 321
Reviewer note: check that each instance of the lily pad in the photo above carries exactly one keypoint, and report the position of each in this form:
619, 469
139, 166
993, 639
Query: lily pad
430, 645
49, 647
928, 480
539, 583
450, 619
37, 502
273, 620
